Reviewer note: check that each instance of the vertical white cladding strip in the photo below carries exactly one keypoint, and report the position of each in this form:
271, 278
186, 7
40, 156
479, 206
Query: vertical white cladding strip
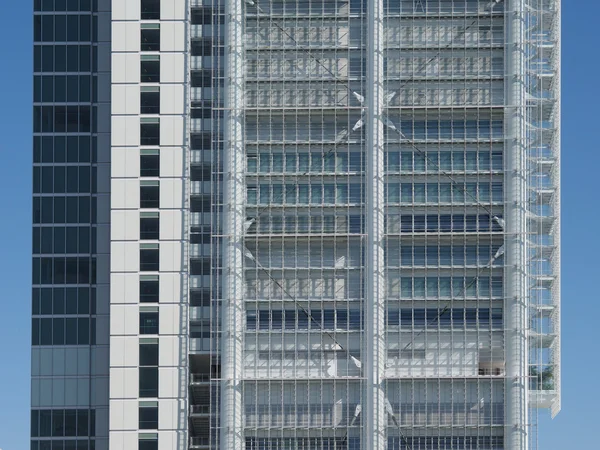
125, 209
516, 290
124, 205
374, 436
233, 219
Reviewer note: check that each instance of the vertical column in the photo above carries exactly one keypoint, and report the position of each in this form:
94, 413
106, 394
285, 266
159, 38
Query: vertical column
516, 290
233, 228
374, 351
100, 354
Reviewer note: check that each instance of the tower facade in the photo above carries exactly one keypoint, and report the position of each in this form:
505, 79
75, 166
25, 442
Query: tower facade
270, 225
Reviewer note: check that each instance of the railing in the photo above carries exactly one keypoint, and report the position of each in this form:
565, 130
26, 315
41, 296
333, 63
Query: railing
200, 409
199, 442
199, 378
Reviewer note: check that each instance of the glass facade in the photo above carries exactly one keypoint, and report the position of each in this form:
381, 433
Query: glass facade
65, 156
322, 224
384, 146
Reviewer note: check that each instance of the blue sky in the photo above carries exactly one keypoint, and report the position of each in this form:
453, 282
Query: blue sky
575, 427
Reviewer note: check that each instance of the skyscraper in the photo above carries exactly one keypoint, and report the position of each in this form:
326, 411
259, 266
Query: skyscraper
295, 225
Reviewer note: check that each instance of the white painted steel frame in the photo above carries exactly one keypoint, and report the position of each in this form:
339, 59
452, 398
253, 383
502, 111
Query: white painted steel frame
231, 434
375, 423
516, 279
556, 300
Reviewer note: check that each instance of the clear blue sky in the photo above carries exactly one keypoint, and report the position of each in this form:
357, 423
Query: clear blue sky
577, 425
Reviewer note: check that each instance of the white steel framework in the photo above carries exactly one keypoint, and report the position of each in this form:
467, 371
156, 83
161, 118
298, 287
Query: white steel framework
390, 225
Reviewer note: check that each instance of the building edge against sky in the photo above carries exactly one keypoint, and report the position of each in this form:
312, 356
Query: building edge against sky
219, 262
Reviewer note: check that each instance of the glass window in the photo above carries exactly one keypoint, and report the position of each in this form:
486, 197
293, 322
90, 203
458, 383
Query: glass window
204, 16
149, 291
83, 331
73, 28
150, 10
45, 423
149, 228
148, 354
201, 172
82, 422
37, 28
393, 161
419, 192
47, 28
58, 423
148, 417
37, 58
71, 331
83, 301
72, 58
150, 102
85, 58
70, 422
419, 162
200, 203
150, 134
150, 71
199, 297
149, 260
58, 331
149, 165
148, 444
149, 196
199, 267
48, 57
149, 322
201, 47
201, 78
148, 381
150, 40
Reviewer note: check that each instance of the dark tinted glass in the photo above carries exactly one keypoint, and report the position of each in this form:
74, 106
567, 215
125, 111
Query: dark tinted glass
150, 9
148, 382
199, 267
148, 444
149, 196
200, 203
150, 165
149, 228
148, 418
149, 291
201, 47
201, 112
199, 297
150, 39
201, 78
199, 238
150, 71
150, 102
150, 134
148, 355
149, 260
148, 322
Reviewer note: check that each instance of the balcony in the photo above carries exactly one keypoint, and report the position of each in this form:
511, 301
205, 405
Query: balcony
200, 442
200, 410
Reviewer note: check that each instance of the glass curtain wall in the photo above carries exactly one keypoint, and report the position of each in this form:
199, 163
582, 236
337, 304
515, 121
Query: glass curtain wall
305, 268
304, 244
64, 224
444, 81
